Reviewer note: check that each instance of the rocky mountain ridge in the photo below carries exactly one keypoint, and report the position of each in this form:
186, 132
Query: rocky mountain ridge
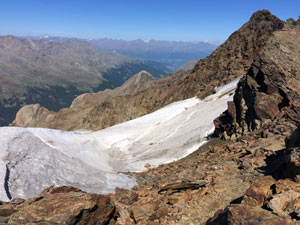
270, 90
229, 61
266, 106
71, 118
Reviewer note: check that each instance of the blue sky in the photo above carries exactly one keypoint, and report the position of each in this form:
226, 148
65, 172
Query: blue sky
181, 20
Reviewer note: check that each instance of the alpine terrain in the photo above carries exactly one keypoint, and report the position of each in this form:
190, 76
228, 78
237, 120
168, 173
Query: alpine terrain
53, 74
218, 144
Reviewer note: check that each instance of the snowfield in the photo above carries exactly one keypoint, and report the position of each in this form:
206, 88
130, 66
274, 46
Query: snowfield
32, 159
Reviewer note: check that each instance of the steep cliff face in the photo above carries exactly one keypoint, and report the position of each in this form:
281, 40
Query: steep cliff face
228, 62
270, 90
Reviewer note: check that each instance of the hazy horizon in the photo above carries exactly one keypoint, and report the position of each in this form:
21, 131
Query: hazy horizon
45, 36
187, 21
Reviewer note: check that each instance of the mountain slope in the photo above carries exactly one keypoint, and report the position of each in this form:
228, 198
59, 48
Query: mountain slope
52, 74
229, 61
75, 117
173, 53
160, 137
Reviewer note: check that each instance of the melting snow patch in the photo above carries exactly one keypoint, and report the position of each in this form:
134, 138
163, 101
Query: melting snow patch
32, 159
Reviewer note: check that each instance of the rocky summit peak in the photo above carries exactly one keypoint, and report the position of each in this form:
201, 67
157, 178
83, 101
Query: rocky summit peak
261, 15
139, 79
269, 92
137, 82
142, 76
235, 56
265, 21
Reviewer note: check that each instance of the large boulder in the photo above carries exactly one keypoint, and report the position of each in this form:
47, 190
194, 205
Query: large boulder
246, 215
266, 202
259, 191
62, 205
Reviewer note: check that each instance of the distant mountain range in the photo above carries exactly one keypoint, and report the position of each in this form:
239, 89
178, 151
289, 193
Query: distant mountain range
54, 73
175, 53
170, 52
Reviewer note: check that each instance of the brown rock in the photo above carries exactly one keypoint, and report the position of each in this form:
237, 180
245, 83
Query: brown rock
124, 216
160, 213
30, 115
259, 191
290, 164
269, 91
294, 139
279, 202
6, 210
182, 185
147, 209
246, 215
266, 106
284, 185
125, 196
65, 205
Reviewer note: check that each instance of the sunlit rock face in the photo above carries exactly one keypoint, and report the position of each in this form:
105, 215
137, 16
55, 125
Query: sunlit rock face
33, 159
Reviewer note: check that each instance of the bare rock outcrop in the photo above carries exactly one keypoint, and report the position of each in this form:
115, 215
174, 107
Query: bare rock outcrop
29, 115
274, 198
269, 91
239, 214
235, 56
266, 201
294, 139
61, 205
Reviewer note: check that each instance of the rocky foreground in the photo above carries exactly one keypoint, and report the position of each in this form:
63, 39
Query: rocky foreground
248, 174
250, 179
